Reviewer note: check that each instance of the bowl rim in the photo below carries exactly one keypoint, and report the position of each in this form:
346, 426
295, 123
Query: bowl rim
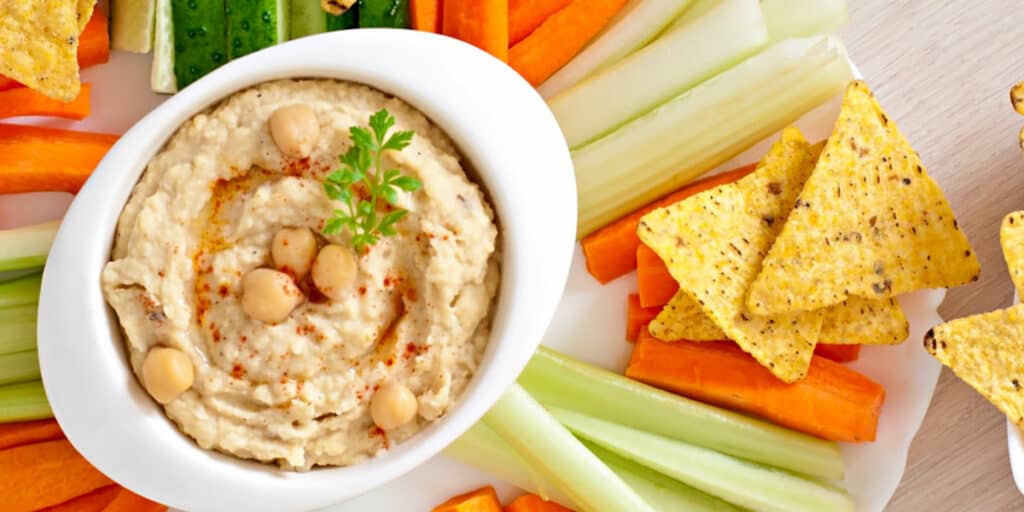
479, 102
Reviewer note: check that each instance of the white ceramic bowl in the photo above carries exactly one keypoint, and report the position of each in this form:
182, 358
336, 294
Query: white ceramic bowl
499, 123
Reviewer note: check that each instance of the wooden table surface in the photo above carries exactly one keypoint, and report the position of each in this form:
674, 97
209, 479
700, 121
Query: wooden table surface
943, 69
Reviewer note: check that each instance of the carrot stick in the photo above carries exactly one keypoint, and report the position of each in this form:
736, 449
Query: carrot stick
43, 474
22, 101
483, 499
127, 501
27, 432
36, 159
524, 16
93, 47
481, 23
426, 15
839, 353
611, 251
95, 501
637, 317
654, 282
534, 503
556, 41
833, 402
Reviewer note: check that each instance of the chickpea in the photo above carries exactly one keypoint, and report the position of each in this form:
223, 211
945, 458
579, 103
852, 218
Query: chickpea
293, 250
295, 130
334, 270
392, 406
166, 373
269, 296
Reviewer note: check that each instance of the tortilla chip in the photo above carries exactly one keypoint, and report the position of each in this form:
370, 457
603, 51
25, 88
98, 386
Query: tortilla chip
1011, 236
870, 222
987, 352
39, 45
713, 243
683, 319
84, 12
859, 321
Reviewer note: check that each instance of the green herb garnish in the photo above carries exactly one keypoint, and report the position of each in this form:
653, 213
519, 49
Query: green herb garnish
361, 168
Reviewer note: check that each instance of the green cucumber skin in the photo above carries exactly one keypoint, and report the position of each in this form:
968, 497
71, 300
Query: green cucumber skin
252, 25
199, 38
384, 13
350, 19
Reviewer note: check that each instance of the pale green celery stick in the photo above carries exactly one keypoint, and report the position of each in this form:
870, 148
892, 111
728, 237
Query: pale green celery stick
675, 62
23, 402
307, 18
737, 481
801, 18
556, 380
695, 11
660, 491
17, 329
705, 126
482, 448
19, 367
26, 247
21, 291
637, 24
559, 457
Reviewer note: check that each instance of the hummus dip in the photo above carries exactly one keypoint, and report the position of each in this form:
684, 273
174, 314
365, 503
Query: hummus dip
298, 392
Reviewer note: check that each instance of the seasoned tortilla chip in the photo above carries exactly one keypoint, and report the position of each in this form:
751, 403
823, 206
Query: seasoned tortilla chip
713, 243
683, 319
870, 222
1011, 236
38, 45
987, 352
84, 12
859, 321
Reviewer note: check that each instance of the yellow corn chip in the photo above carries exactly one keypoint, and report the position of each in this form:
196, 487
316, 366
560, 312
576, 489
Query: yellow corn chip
39, 45
713, 243
859, 321
84, 12
1011, 235
683, 319
987, 352
870, 222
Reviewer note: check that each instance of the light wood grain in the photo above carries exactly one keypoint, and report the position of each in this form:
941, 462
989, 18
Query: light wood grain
943, 70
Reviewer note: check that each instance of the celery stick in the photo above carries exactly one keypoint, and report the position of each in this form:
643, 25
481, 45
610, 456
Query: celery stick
19, 367
635, 25
550, 449
695, 11
131, 25
481, 447
556, 380
677, 61
741, 482
17, 329
23, 402
26, 247
801, 18
21, 291
705, 126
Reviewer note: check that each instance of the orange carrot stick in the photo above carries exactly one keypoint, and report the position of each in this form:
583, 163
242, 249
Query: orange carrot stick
839, 353
556, 41
654, 282
832, 402
22, 101
127, 501
426, 15
44, 474
93, 47
611, 251
483, 499
36, 159
481, 23
95, 501
27, 432
637, 317
534, 503
524, 16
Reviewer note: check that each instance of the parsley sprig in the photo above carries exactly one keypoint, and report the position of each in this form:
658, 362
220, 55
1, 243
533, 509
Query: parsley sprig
362, 167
